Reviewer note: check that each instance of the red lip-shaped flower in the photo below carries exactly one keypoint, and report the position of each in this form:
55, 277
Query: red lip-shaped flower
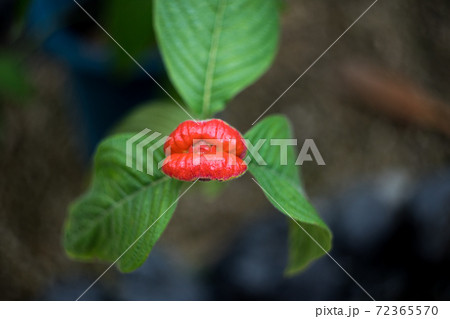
205, 150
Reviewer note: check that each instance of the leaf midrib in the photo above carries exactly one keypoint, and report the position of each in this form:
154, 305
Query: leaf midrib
209, 77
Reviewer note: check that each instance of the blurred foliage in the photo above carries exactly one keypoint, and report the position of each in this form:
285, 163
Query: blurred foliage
131, 24
14, 84
159, 116
21, 7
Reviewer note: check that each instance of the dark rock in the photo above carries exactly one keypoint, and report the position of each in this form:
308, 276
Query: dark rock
161, 278
69, 289
254, 267
430, 210
367, 215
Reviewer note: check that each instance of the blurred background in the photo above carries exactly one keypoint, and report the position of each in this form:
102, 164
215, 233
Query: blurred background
376, 105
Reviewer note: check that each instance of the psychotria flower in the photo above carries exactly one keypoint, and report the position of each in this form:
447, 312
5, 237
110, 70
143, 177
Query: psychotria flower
205, 150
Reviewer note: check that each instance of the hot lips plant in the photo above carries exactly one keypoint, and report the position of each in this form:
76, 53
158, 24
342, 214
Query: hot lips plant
212, 50
205, 150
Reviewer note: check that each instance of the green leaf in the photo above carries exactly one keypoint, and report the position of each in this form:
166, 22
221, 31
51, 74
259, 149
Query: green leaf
120, 205
213, 49
159, 116
282, 187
